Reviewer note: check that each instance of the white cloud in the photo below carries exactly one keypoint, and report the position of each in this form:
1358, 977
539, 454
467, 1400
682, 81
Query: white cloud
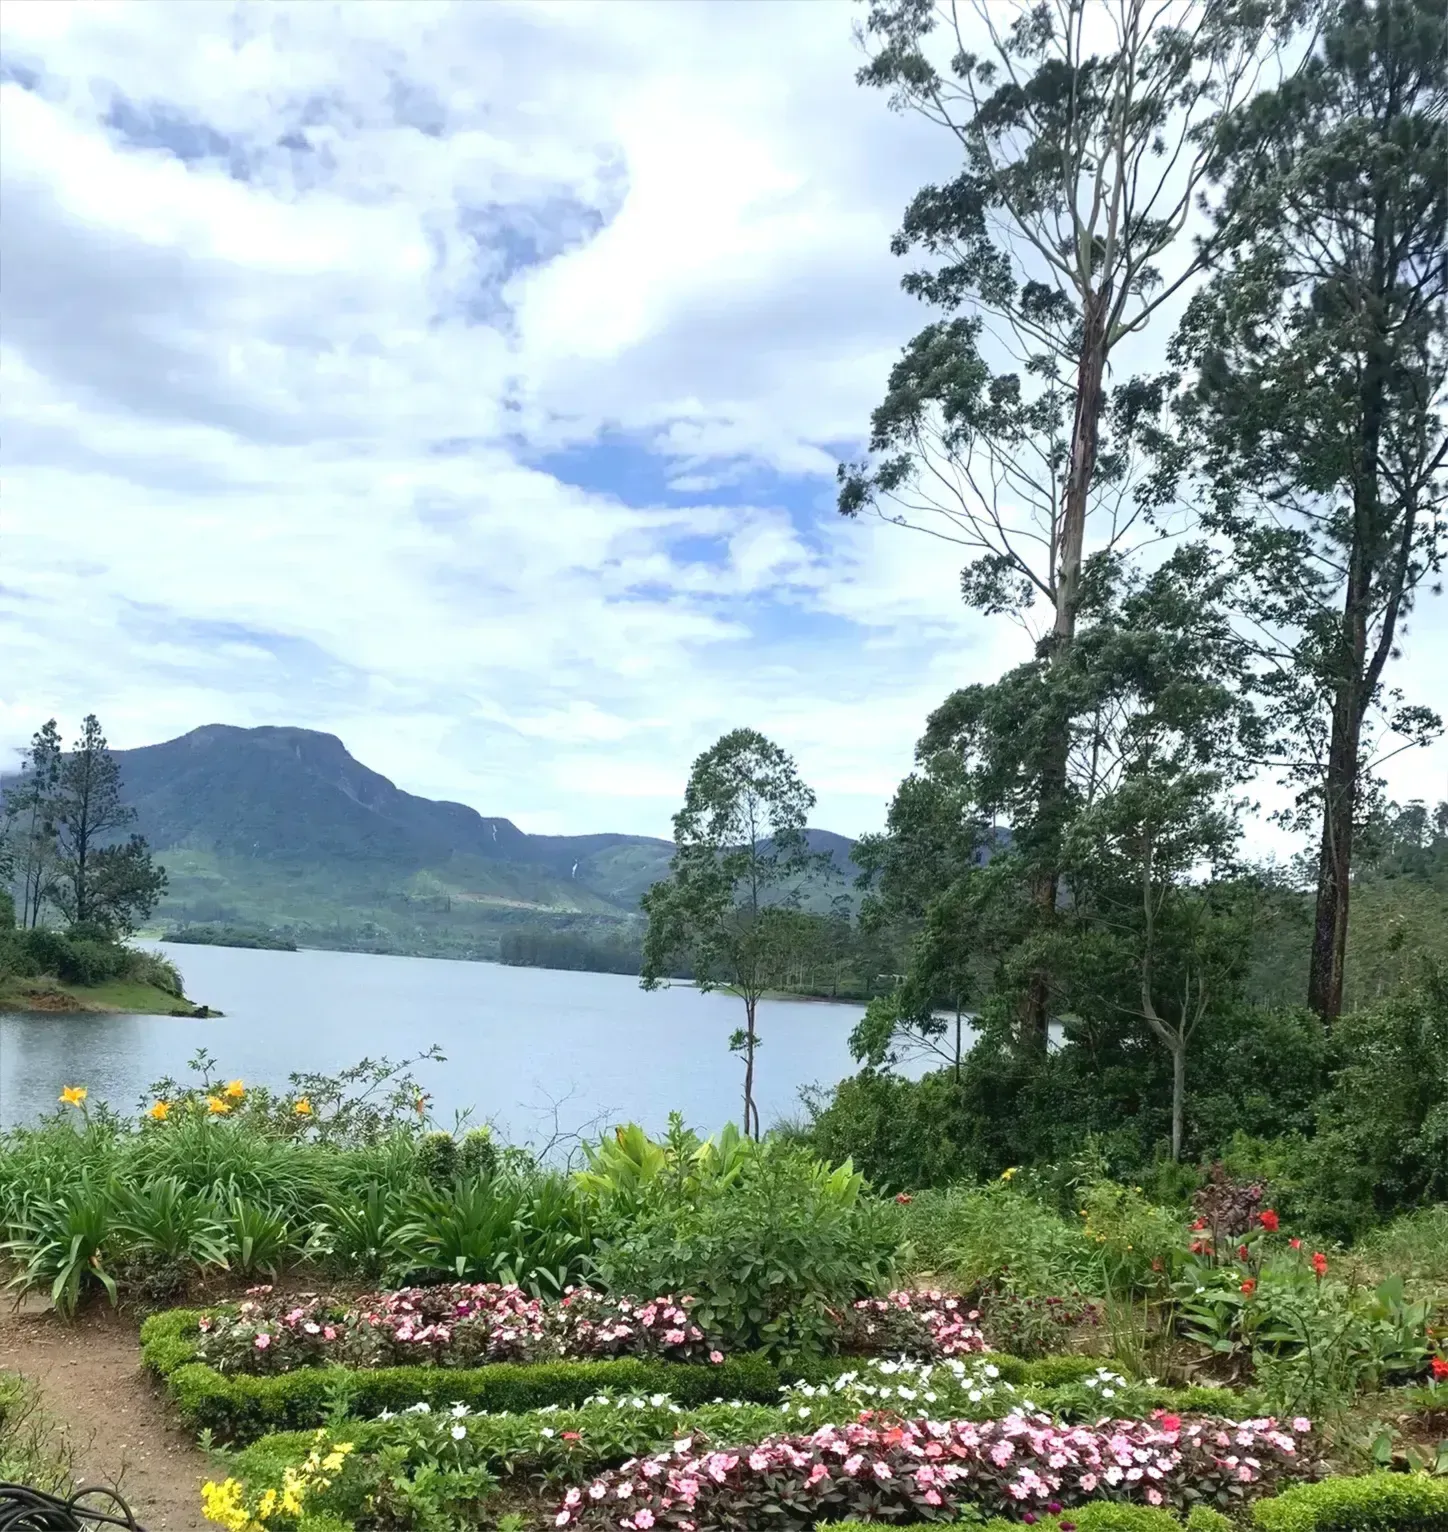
274, 409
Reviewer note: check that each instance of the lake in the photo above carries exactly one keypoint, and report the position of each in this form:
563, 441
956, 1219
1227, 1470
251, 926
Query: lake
516, 1040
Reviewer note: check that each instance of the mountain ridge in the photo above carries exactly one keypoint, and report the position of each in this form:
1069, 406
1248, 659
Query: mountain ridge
282, 827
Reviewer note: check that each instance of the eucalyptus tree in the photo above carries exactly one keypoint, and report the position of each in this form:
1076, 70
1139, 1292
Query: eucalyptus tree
1086, 131
1318, 408
740, 859
30, 823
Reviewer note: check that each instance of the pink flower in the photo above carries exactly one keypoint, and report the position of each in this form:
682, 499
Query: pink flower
716, 1357
262, 1342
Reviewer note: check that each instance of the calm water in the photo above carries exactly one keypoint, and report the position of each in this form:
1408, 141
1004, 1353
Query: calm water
515, 1039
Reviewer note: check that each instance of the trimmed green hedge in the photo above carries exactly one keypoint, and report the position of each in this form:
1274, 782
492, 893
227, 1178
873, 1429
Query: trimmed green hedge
242, 1406
1379, 1502
1099, 1516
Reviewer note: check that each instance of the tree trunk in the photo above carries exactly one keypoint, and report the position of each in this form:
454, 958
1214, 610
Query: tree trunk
1070, 548
1085, 439
1334, 863
751, 1113
1178, 1097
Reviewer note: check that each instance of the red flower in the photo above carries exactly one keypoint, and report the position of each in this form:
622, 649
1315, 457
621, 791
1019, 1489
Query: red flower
1440, 1367
572, 1436
1319, 1263
1250, 1286
1269, 1220
1242, 1252
1295, 1243
1199, 1225
1170, 1422
903, 1198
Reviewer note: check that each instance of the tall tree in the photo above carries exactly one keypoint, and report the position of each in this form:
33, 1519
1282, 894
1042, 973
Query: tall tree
30, 822
740, 856
1086, 130
1320, 350
88, 814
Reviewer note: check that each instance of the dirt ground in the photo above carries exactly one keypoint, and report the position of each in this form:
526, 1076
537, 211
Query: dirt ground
92, 1384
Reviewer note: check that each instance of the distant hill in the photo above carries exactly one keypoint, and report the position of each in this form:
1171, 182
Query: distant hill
282, 829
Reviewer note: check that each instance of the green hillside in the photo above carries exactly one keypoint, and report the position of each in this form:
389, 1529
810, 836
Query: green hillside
281, 829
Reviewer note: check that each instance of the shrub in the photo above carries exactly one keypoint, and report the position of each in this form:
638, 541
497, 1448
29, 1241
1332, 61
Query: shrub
987, 1237
770, 1240
1387, 1501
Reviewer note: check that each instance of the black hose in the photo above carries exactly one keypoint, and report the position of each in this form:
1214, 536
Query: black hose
23, 1509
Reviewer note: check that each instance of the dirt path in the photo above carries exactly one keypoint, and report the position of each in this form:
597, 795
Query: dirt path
91, 1383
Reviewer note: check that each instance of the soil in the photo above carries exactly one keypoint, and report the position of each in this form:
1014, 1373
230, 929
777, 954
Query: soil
93, 1386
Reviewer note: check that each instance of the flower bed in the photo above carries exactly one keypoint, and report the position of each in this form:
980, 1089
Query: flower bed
932, 1469
243, 1406
471, 1324
459, 1325
926, 1324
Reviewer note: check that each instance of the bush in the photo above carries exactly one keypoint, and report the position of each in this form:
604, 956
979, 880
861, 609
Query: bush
1387, 1501
1382, 1140
986, 1236
769, 1239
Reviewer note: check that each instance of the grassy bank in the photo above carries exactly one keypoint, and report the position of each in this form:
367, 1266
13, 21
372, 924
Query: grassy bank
114, 996
66, 971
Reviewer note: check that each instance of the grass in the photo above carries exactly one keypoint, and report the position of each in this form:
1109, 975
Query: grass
114, 996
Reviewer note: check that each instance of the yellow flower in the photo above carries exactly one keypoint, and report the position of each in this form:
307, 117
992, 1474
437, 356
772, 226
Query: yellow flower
73, 1095
1007, 1174
303, 1108
235, 1089
160, 1110
217, 1106
267, 1504
223, 1503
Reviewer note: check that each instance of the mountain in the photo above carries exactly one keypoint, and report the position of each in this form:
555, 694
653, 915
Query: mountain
283, 828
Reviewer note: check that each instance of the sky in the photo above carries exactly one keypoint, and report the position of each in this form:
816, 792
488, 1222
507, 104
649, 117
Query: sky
468, 381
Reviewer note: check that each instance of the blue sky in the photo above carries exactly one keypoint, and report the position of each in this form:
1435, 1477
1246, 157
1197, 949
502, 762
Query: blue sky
468, 381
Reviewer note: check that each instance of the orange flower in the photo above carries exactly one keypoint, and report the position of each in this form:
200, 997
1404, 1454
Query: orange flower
73, 1095
159, 1111
303, 1108
235, 1089
216, 1106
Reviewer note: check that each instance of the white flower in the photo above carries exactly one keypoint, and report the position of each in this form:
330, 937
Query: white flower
458, 1410
458, 1432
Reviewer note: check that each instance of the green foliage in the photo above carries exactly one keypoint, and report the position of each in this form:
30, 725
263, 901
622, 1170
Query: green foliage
61, 1240
766, 1236
33, 1451
1382, 1143
977, 1235
533, 1230
82, 959
1373, 1503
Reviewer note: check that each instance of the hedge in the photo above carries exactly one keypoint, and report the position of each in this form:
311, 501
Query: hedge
1098, 1516
1379, 1502
243, 1406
